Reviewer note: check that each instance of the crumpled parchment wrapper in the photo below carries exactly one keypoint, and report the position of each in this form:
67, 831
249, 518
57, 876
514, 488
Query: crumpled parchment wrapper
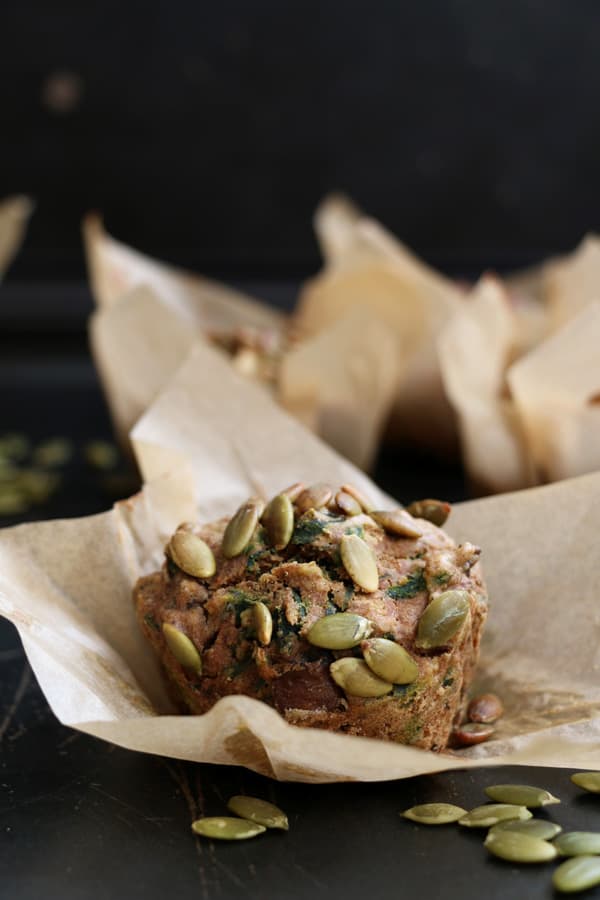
340, 383
67, 587
14, 216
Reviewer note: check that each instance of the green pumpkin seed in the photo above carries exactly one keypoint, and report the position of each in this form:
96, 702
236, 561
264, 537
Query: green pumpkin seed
259, 811
359, 562
182, 648
360, 498
227, 828
340, 631
589, 781
520, 848
539, 828
356, 679
577, 874
278, 519
492, 813
390, 661
314, 497
578, 843
397, 522
263, 622
434, 813
442, 619
436, 511
348, 505
240, 528
520, 795
191, 554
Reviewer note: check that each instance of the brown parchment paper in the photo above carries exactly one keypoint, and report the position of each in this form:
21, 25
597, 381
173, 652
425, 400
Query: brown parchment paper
67, 587
14, 215
149, 316
475, 349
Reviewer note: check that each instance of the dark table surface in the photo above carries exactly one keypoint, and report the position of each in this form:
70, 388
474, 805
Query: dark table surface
81, 818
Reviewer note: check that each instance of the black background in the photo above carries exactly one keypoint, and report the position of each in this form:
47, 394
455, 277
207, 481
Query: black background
207, 132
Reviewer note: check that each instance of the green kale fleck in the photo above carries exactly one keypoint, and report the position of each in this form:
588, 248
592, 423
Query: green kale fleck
151, 622
356, 529
410, 587
447, 682
442, 578
300, 604
307, 530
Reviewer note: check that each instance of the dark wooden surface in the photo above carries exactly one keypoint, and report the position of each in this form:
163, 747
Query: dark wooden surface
80, 818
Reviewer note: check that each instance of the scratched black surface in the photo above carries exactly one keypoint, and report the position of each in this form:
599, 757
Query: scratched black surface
80, 818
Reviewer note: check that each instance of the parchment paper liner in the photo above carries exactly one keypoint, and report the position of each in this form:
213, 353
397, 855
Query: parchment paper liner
14, 215
366, 266
66, 585
341, 383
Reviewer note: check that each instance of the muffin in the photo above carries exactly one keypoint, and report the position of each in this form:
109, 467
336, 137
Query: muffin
340, 616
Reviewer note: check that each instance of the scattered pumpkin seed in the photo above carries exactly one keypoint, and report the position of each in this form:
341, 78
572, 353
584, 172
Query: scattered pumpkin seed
485, 708
356, 679
14, 446
435, 511
471, 733
589, 781
539, 828
260, 811
240, 528
101, 454
390, 661
340, 631
397, 522
359, 562
182, 648
520, 795
520, 848
278, 519
434, 813
442, 620
13, 500
578, 843
577, 874
53, 452
314, 497
263, 622
348, 505
360, 498
191, 554
227, 828
492, 813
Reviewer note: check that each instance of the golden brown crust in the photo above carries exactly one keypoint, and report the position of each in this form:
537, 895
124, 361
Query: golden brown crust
300, 585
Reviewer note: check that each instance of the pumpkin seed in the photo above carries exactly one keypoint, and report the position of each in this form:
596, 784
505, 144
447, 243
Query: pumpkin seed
294, 490
520, 848
359, 562
589, 781
492, 813
191, 554
278, 520
101, 454
397, 522
434, 813
539, 828
436, 511
486, 708
340, 631
390, 661
360, 498
356, 679
578, 843
227, 828
263, 622
520, 795
442, 619
348, 505
314, 497
471, 733
260, 811
577, 874
240, 528
53, 452
182, 648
